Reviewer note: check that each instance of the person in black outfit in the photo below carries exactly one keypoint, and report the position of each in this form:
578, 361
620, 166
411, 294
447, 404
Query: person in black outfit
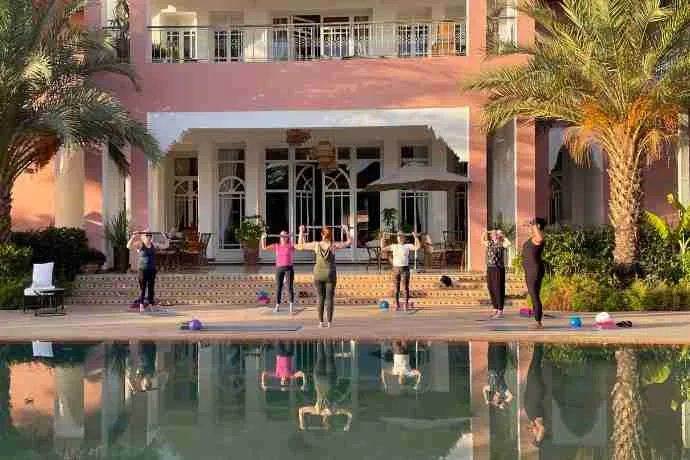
146, 249
535, 395
496, 244
534, 266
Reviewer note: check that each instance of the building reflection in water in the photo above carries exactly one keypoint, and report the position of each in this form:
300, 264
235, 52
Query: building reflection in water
337, 399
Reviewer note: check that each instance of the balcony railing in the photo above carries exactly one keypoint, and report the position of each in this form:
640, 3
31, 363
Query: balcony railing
306, 42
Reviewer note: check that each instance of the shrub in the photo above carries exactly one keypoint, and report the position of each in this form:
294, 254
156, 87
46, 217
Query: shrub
658, 260
64, 246
572, 250
15, 261
12, 292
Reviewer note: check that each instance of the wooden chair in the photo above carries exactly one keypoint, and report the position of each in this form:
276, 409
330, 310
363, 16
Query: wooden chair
195, 249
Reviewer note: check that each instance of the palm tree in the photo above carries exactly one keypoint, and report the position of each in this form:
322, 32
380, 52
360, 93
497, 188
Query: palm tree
617, 72
628, 440
49, 95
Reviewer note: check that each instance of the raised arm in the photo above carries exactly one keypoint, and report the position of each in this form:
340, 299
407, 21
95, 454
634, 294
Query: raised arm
306, 410
506, 243
417, 242
301, 244
348, 239
264, 247
348, 414
132, 243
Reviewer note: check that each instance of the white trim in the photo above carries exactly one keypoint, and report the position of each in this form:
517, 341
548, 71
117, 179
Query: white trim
449, 124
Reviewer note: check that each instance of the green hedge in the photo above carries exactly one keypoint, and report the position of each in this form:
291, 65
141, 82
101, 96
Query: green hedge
573, 250
15, 273
67, 247
583, 293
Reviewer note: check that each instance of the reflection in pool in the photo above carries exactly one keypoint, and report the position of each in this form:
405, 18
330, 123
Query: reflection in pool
343, 399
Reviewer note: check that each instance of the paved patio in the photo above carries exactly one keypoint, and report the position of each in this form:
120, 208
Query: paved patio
82, 323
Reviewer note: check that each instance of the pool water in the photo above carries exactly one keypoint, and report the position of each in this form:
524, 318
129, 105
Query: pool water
343, 400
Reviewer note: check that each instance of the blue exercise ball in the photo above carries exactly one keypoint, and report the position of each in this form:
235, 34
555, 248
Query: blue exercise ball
195, 325
575, 322
383, 305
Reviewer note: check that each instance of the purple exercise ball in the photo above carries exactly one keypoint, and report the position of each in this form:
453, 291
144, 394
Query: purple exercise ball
195, 325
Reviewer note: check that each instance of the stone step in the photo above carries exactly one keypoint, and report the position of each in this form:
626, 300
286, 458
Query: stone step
201, 301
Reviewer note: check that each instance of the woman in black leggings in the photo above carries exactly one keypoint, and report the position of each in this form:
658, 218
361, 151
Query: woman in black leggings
534, 266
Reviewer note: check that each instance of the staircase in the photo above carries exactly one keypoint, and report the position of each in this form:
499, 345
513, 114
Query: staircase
240, 290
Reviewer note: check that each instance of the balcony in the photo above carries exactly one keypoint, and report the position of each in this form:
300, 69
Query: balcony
307, 42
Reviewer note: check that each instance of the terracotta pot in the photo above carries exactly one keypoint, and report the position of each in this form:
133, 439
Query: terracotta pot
251, 252
121, 256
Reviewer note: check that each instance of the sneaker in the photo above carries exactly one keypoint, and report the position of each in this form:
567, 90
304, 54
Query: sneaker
322, 324
142, 308
538, 326
292, 308
328, 325
277, 308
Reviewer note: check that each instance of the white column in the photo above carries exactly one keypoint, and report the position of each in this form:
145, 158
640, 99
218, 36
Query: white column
156, 201
683, 159
391, 163
207, 386
69, 188
254, 173
112, 195
207, 192
69, 403
438, 212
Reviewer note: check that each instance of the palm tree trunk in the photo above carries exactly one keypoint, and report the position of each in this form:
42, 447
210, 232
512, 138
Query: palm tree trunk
625, 206
628, 440
5, 210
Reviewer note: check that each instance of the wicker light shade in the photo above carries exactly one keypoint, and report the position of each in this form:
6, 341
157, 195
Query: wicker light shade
324, 153
295, 137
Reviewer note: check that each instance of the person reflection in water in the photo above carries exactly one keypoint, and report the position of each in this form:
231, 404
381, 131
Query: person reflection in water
401, 366
535, 395
325, 381
143, 374
497, 393
284, 371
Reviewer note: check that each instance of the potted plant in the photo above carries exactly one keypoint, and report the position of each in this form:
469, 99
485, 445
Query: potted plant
249, 234
117, 234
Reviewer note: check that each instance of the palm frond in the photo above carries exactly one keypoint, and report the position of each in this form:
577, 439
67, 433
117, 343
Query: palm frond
660, 225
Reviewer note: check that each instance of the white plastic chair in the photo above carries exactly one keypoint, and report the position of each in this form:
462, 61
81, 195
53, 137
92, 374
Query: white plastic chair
42, 279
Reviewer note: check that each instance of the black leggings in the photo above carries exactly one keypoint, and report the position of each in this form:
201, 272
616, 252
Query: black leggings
533, 281
147, 280
326, 291
402, 274
496, 280
281, 272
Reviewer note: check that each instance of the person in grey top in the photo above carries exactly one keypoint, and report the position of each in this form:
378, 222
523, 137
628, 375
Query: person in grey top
496, 244
324, 270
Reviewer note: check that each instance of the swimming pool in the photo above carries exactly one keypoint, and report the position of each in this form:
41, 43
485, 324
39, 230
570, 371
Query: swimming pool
342, 399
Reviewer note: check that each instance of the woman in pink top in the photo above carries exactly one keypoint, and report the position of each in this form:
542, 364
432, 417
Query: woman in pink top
284, 370
285, 251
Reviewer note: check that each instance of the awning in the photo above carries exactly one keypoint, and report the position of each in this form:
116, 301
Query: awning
418, 178
449, 124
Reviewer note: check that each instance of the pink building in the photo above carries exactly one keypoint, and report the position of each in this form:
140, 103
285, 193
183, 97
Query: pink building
381, 81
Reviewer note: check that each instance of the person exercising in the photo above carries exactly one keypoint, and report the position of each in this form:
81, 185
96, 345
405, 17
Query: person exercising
146, 249
401, 265
401, 366
285, 251
284, 370
533, 265
325, 277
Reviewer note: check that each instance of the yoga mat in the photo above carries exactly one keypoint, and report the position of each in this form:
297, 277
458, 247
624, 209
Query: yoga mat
161, 313
248, 328
267, 311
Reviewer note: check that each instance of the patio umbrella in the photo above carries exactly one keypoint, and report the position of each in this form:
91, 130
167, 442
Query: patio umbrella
415, 177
